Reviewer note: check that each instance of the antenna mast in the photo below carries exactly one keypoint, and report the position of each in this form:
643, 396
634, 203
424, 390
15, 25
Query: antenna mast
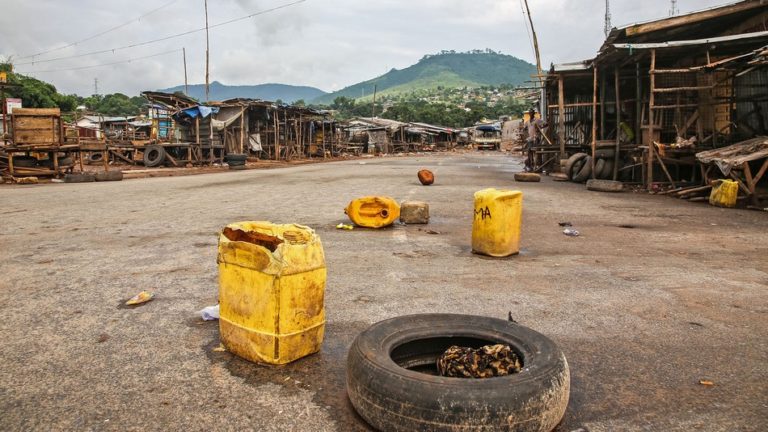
674, 9
608, 26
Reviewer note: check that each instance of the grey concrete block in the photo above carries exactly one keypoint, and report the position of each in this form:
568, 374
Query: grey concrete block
414, 212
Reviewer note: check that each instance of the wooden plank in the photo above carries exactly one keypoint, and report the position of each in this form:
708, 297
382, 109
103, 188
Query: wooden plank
666, 171
32, 123
679, 89
667, 23
761, 171
19, 112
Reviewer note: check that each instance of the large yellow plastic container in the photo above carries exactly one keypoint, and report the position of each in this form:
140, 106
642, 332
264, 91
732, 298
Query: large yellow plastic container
724, 193
496, 228
271, 291
373, 211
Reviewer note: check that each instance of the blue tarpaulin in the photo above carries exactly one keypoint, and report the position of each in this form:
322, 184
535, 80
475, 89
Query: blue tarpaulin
489, 128
200, 110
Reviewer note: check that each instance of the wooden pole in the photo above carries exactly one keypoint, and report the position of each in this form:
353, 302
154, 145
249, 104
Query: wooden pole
651, 122
594, 118
603, 87
207, 55
618, 126
277, 135
186, 83
242, 131
561, 114
535, 44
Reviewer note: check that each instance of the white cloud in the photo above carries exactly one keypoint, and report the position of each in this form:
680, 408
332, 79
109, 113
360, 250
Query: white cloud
323, 43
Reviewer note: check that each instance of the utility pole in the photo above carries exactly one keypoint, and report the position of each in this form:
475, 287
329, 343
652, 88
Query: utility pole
95, 86
374, 101
207, 55
186, 84
535, 43
539, 74
674, 9
608, 26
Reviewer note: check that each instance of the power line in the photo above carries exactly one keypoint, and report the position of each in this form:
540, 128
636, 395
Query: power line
103, 64
100, 33
166, 37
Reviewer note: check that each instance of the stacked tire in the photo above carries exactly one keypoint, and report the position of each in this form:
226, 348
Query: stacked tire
236, 161
578, 168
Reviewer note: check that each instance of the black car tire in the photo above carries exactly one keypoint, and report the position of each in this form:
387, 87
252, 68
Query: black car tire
389, 394
154, 156
569, 165
235, 158
585, 172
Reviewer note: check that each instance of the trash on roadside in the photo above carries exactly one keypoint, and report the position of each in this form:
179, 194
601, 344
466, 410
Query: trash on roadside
347, 227
426, 177
485, 362
261, 266
373, 211
26, 180
211, 313
706, 383
571, 232
140, 298
565, 224
219, 348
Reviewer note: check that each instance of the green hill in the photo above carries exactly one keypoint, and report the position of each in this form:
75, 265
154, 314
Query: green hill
269, 92
447, 69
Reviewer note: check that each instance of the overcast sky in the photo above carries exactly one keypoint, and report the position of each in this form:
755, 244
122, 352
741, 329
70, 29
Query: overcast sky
327, 44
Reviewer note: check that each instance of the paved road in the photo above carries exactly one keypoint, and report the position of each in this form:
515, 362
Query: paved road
655, 295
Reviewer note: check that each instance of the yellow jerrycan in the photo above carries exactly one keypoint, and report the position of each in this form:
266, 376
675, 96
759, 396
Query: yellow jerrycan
271, 291
725, 193
496, 227
373, 211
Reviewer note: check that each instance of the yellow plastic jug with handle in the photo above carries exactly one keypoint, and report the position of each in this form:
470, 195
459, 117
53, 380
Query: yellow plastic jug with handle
373, 211
496, 227
271, 291
724, 193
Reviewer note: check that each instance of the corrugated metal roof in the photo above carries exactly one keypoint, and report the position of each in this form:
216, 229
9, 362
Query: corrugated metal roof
682, 43
573, 66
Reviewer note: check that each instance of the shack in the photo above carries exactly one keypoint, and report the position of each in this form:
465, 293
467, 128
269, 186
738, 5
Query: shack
659, 92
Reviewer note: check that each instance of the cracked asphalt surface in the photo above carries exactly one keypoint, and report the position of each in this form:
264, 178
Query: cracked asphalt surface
655, 295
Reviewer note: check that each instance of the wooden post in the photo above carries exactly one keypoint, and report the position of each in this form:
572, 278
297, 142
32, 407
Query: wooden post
561, 114
651, 121
594, 118
197, 140
210, 139
618, 126
603, 92
242, 131
277, 135
638, 104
